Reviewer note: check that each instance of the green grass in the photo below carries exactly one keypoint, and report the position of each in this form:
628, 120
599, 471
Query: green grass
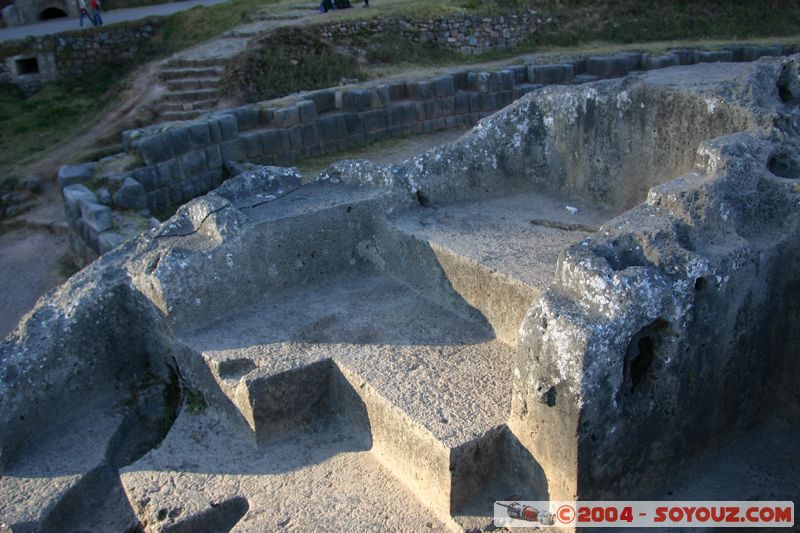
31, 126
287, 61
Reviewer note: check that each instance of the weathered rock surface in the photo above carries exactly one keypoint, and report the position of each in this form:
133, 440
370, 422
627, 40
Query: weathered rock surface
592, 287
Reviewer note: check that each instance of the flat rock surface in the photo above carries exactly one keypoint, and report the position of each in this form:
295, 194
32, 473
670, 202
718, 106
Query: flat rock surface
520, 236
317, 478
447, 374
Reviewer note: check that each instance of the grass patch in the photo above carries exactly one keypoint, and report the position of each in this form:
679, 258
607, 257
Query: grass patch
67, 267
287, 61
194, 401
31, 126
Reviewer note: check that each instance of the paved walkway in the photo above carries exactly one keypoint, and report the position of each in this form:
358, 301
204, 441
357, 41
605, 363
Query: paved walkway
118, 15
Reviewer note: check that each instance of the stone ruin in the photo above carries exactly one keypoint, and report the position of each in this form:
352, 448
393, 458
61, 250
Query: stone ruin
590, 291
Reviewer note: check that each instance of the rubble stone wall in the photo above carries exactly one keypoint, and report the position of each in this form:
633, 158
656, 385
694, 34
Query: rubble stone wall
469, 34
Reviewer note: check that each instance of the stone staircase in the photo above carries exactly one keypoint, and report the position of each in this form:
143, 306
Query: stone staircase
192, 88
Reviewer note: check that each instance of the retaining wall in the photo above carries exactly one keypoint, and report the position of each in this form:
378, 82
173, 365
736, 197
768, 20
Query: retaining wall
470, 34
73, 54
180, 161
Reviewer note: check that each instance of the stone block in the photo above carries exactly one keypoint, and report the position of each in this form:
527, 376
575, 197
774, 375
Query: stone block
354, 125
520, 73
295, 138
504, 98
651, 62
286, 117
194, 162
524, 88
630, 60
251, 144
398, 91
163, 198
179, 141
474, 102
606, 66
488, 102
214, 157
355, 101
443, 86
200, 135
131, 195
423, 90
168, 173
175, 194
270, 140
147, 176
686, 56
229, 127
502, 80
154, 149
460, 80
214, 131
480, 81
374, 120
402, 113
310, 134
448, 105
308, 111
151, 199
108, 240
714, 56
461, 102
247, 117
544, 74
380, 97
72, 174
265, 116
97, 216
323, 100
333, 127
74, 195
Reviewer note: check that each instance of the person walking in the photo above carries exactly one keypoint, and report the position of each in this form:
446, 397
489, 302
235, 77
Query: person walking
84, 10
96, 18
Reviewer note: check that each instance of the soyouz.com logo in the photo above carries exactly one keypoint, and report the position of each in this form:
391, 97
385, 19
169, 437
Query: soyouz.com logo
760, 514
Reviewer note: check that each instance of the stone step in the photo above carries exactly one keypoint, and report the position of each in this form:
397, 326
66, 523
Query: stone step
199, 105
433, 387
177, 84
193, 95
176, 73
491, 256
177, 116
193, 62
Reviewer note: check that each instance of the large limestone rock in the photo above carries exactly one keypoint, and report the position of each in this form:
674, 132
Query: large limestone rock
585, 292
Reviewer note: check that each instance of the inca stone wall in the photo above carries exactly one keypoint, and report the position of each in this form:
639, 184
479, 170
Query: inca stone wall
177, 162
469, 34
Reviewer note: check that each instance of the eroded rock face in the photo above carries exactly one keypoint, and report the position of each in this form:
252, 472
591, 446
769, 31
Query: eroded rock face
643, 342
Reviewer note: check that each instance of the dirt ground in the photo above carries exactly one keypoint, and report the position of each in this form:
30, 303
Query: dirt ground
30, 266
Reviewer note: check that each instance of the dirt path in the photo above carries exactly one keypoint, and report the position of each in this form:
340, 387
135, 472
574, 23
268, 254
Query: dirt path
29, 267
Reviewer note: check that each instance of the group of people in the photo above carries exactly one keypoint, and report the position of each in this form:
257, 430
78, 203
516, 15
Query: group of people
90, 11
328, 5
